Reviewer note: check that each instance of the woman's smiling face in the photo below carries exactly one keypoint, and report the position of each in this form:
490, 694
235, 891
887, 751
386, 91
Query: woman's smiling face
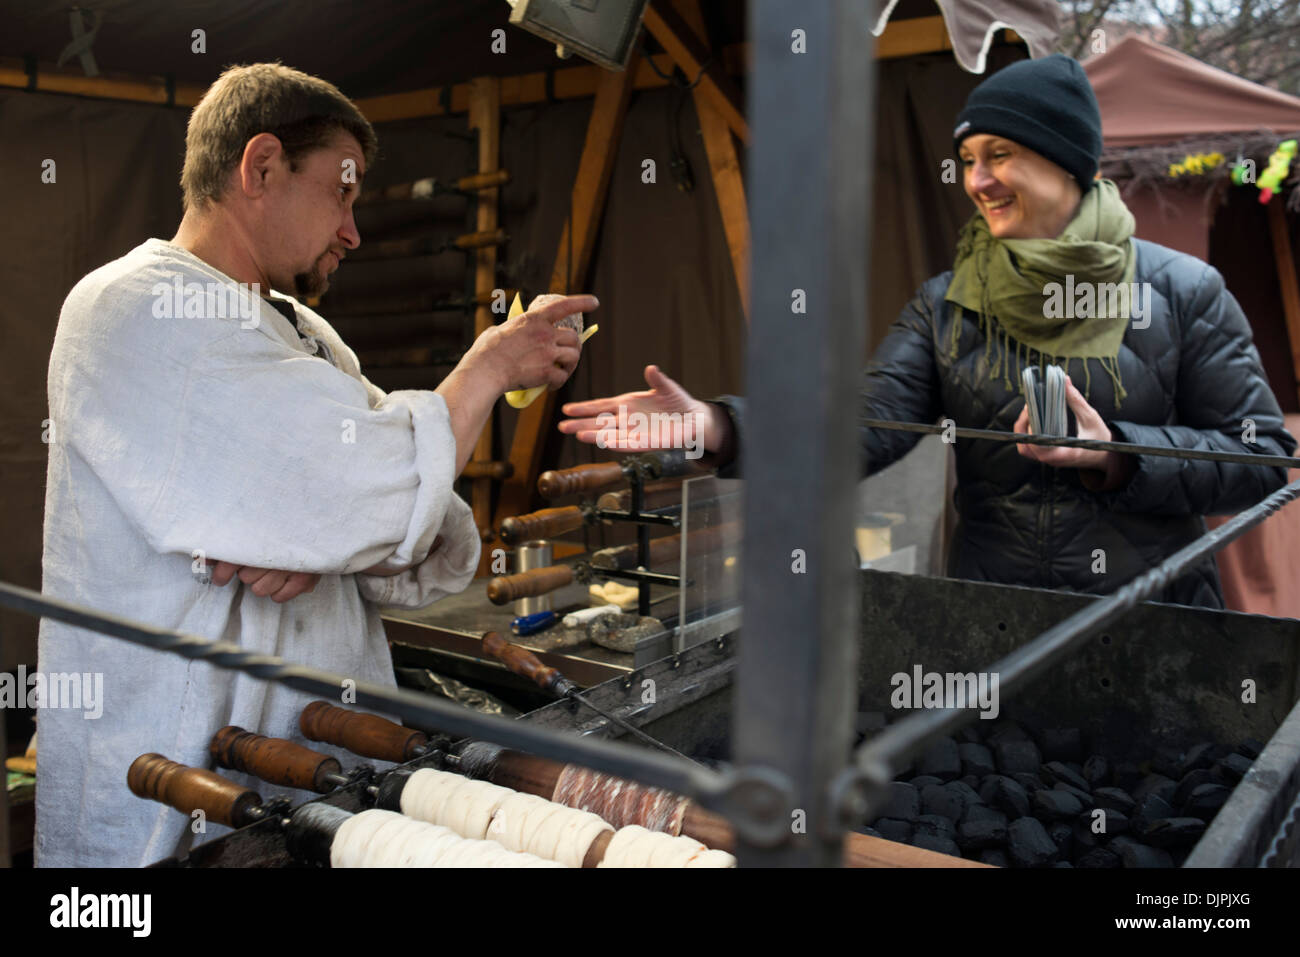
1021, 194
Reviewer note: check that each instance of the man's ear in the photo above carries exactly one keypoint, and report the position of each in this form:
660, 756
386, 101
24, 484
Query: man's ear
263, 154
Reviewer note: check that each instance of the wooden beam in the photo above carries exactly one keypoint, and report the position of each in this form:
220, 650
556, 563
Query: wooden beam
1288, 284
692, 54
724, 164
590, 188
485, 117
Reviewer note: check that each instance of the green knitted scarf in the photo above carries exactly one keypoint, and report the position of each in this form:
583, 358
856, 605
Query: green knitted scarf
1008, 284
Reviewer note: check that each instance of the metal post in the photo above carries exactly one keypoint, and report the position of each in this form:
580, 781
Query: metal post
811, 102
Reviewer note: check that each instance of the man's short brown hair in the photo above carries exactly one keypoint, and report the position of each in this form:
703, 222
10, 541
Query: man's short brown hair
304, 112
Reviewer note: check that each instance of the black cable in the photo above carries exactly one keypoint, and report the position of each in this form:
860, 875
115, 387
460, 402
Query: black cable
992, 435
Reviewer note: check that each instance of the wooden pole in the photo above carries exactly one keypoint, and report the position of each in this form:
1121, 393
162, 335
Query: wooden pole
724, 163
485, 117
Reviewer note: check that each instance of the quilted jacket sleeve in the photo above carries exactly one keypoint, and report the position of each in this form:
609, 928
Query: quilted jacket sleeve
901, 382
1223, 403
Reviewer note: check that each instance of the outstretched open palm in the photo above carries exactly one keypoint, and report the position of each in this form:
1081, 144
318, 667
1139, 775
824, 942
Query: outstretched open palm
665, 416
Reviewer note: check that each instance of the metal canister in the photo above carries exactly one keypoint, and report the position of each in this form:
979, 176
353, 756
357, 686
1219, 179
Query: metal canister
528, 556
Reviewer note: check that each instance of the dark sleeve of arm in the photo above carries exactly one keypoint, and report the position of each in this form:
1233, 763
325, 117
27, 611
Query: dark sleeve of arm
901, 382
1223, 400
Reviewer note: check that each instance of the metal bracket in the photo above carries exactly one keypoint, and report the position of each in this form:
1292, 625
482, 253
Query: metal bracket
755, 800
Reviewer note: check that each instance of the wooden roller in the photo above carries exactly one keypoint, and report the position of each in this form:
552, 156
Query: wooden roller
488, 470
497, 177
364, 734
546, 523
536, 581
488, 237
275, 760
580, 478
155, 778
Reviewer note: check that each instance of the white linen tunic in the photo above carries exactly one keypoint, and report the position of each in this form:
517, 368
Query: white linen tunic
197, 436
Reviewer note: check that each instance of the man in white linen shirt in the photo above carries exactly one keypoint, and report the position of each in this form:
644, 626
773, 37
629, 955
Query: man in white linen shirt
208, 427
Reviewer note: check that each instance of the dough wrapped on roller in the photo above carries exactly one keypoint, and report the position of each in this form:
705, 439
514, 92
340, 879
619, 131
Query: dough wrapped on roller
634, 846
378, 838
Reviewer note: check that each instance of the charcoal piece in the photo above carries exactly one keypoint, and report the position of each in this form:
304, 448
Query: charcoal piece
1099, 858
1175, 832
940, 845
892, 830
1232, 768
1005, 794
982, 827
941, 760
1205, 801
1063, 864
1150, 809
1082, 795
1141, 855
1189, 783
1029, 782
970, 734
922, 781
869, 831
971, 781
1110, 821
1017, 757
1084, 836
1195, 758
1029, 844
1158, 785
1062, 744
1054, 805
1056, 772
1114, 798
994, 857
943, 800
976, 759
903, 804
1127, 775
935, 825
1251, 748
968, 793
1062, 835
1096, 771
1168, 762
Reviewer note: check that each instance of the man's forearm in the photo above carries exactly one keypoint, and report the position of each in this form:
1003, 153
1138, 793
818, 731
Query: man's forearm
470, 392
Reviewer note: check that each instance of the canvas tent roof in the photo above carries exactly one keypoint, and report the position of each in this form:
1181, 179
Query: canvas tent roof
1152, 94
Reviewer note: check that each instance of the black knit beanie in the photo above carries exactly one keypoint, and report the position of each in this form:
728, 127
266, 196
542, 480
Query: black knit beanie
1047, 105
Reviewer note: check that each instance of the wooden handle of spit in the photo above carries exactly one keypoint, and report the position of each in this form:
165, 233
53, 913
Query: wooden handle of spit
546, 523
580, 478
488, 237
365, 734
276, 760
187, 789
520, 661
497, 177
488, 470
536, 581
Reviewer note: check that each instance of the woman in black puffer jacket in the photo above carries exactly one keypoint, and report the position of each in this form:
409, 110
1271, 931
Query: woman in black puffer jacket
1035, 281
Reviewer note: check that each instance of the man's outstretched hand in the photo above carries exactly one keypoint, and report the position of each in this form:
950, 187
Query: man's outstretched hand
613, 422
279, 586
